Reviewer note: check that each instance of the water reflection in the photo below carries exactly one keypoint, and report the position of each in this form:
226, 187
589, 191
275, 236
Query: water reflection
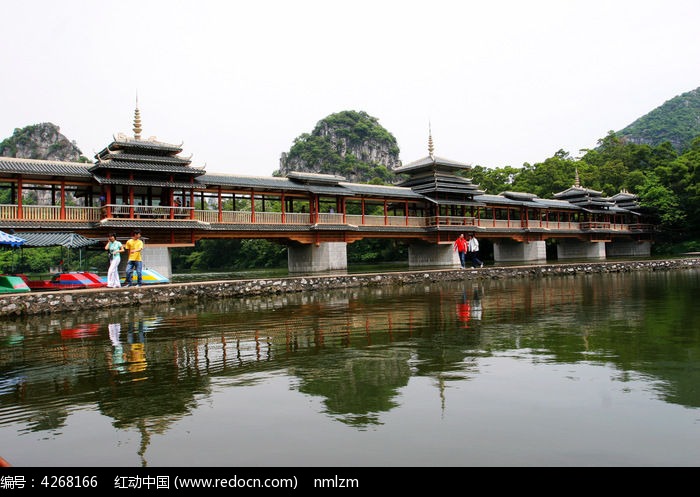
356, 351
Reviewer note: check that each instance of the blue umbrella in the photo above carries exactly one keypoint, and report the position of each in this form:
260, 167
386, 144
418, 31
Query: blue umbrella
11, 240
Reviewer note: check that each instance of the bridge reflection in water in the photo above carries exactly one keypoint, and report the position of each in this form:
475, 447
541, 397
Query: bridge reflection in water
356, 355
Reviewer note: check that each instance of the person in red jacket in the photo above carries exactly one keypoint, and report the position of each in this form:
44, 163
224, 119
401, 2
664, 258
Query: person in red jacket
461, 246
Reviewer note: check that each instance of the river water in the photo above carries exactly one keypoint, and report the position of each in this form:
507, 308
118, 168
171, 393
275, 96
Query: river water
585, 370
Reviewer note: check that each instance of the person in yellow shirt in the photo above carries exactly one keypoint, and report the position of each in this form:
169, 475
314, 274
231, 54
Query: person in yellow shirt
135, 263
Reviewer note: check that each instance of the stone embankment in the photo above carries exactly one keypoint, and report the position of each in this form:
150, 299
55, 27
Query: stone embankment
84, 300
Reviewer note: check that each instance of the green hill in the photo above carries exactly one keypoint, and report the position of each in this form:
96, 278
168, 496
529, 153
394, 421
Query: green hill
676, 121
350, 144
41, 141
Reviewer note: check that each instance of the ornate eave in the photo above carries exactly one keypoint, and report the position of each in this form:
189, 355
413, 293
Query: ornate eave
146, 168
148, 182
162, 159
315, 178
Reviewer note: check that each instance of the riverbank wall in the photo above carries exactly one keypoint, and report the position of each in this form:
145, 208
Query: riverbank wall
63, 301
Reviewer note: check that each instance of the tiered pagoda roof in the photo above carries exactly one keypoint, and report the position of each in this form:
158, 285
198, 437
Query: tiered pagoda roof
435, 178
133, 161
589, 200
626, 200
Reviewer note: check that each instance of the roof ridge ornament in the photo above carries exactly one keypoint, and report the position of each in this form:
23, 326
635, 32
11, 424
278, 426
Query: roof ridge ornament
431, 148
137, 120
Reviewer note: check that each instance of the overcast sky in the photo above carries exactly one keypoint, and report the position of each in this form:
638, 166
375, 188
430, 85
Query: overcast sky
498, 82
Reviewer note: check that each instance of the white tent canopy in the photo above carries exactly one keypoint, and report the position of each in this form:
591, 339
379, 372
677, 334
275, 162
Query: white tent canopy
60, 239
10, 240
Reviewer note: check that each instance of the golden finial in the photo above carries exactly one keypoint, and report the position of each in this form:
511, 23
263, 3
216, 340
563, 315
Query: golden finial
430, 142
137, 120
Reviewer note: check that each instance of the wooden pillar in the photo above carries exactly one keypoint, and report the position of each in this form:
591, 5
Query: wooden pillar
284, 211
62, 214
131, 197
252, 206
20, 214
221, 207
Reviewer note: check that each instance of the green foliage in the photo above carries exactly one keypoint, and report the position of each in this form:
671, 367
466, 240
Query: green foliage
373, 251
228, 255
493, 181
662, 202
547, 178
261, 254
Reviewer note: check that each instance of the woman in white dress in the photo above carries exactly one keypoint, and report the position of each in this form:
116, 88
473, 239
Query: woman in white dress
114, 248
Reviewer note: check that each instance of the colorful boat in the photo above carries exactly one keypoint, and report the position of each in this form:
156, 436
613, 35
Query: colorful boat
66, 281
148, 277
13, 284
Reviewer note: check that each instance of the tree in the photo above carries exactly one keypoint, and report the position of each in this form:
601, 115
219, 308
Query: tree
663, 204
544, 179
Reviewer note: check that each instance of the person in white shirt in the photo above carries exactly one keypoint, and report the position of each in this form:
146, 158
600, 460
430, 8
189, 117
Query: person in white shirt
473, 247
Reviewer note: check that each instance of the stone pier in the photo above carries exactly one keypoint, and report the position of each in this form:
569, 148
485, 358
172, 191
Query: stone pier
507, 250
422, 254
578, 249
327, 256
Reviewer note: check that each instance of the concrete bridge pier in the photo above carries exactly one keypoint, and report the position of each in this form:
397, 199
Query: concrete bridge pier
430, 255
326, 256
157, 258
508, 250
577, 249
628, 248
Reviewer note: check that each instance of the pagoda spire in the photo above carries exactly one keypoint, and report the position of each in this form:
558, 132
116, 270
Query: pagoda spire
137, 120
431, 149
577, 181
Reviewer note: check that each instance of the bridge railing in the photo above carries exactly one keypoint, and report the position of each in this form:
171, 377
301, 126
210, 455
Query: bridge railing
51, 213
451, 221
640, 227
531, 223
585, 226
246, 217
147, 211
95, 214
41, 212
330, 218
296, 218
8, 212
87, 214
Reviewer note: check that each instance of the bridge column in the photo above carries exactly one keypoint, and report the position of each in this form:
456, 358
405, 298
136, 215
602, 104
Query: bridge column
157, 258
426, 255
508, 250
327, 256
631, 248
578, 249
